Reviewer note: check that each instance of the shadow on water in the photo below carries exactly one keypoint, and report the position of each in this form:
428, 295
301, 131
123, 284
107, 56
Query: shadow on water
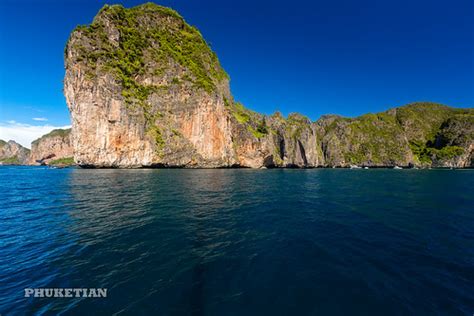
208, 192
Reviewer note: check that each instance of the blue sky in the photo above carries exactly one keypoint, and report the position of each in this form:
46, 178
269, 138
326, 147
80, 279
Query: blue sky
313, 57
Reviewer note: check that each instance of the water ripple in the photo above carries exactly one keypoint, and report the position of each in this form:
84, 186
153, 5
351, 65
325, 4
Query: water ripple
238, 241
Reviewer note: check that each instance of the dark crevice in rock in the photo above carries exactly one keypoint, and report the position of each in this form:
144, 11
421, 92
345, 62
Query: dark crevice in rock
268, 162
282, 148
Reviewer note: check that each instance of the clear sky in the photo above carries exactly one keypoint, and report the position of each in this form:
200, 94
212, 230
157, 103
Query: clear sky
313, 57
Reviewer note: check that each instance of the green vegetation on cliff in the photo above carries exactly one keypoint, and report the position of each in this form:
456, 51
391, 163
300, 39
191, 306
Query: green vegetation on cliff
426, 154
458, 130
54, 133
148, 49
10, 161
432, 128
67, 161
166, 73
422, 120
422, 133
296, 123
372, 139
149, 36
254, 122
430, 131
376, 137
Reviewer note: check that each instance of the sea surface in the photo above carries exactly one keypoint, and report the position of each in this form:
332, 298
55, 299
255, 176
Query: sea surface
238, 241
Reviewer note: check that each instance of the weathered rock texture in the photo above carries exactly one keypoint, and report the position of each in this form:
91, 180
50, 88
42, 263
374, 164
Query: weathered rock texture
144, 89
12, 153
419, 134
52, 149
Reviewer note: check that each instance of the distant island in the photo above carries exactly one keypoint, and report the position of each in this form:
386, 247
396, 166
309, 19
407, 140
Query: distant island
53, 149
144, 89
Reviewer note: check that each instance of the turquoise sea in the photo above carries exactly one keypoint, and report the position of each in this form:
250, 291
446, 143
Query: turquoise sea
238, 241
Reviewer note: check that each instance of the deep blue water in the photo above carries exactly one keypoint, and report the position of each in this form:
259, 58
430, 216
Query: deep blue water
238, 242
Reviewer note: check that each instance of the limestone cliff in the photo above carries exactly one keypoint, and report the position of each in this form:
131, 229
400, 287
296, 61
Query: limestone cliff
145, 89
53, 148
419, 134
12, 153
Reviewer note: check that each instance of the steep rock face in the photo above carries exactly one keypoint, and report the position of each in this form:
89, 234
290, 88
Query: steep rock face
439, 136
12, 153
52, 148
373, 140
273, 141
419, 134
145, 89
454, 143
